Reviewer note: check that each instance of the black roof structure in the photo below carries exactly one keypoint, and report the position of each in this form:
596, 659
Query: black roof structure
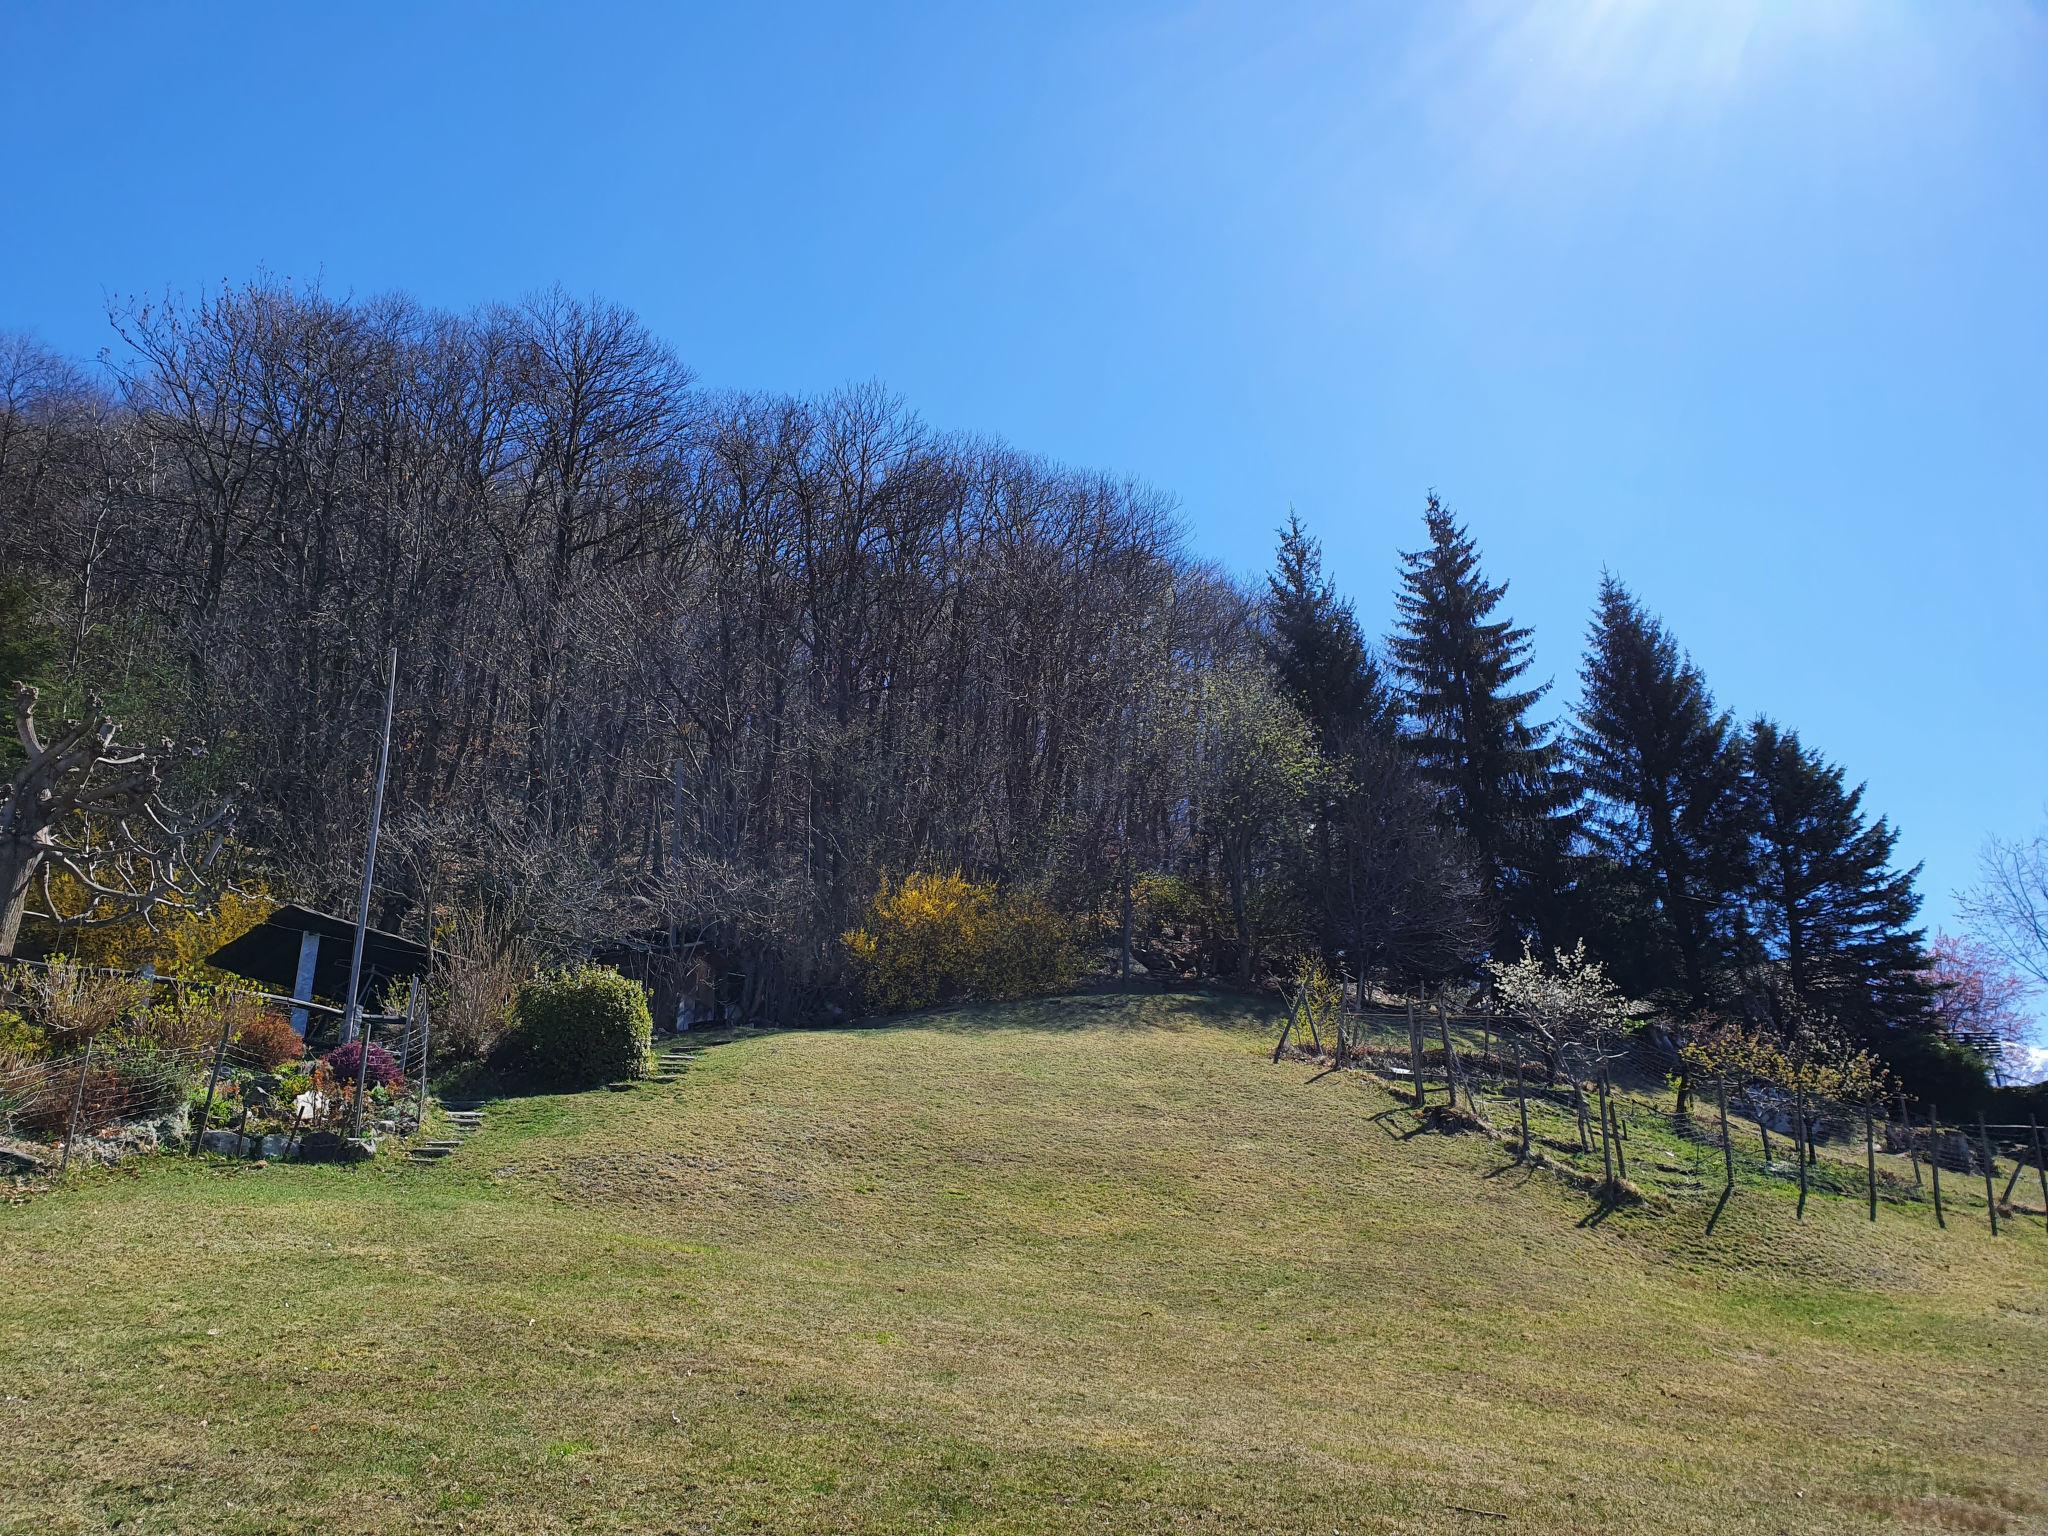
269, 954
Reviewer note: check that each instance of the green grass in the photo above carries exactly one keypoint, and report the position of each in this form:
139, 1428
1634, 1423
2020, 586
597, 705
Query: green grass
1090, 1264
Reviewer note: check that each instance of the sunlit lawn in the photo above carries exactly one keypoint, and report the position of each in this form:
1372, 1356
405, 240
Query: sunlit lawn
1087, 1264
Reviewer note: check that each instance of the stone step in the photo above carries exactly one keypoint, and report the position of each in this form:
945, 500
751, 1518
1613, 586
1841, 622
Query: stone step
428, 1154
663, 1077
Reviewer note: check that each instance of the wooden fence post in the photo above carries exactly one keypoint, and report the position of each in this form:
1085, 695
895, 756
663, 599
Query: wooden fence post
1990, 1196
2040, 1164
1522, 1099
1799, 1146
1606, 1145
220, 1055
77, 1100
1727, 1145
1286, 1029
1620, 1137
1934, 1161
1415, 1053
419, 1115
1870, 1160
1443, 1024
1912, 1146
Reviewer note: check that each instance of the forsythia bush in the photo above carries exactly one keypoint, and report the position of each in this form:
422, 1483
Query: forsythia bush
941, 938
583, 1026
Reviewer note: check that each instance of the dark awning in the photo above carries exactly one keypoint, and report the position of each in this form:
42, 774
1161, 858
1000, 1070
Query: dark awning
269, 955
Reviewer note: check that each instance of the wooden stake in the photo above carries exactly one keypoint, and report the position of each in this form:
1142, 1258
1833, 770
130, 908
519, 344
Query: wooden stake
1522, 1100
1934, 1161
1285, 1029
1870, 1160
77, 1100
1606, 1145
1415, 1053
1799, 1145
2040, 1163
1912, 1146
1727, 1145
220, 1054
1990, 1203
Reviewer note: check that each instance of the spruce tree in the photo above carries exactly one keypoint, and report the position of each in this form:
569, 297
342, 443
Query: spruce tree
1498, 774
1314, 646
1662, 773
1826, 904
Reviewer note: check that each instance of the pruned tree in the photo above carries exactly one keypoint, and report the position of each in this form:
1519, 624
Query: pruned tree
85, 837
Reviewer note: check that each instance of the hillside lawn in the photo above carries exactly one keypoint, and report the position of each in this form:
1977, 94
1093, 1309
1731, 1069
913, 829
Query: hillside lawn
1085, 1264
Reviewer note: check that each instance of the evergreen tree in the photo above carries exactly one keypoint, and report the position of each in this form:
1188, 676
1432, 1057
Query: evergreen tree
1826, 905
1660, 767
1313, 644
1498, 774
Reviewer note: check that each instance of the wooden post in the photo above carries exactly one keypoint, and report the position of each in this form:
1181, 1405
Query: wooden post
2019, 1166
1522, 1100
1870, 1160
1286, 1029
1308, 1017
1912, 1146
1799, 1132
419, 1117
77, 1100
1415, 1053
2040, 1164
1990, 1200
1579, 1109
363, 1039
1727, 1145
220, 1055
1620, 1140
1606, 1145
1934, 1161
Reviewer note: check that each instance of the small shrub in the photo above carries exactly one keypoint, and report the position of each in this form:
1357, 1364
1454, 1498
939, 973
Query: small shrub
344, 1061
21, 1042
267, 1040
942, 938
578, 1027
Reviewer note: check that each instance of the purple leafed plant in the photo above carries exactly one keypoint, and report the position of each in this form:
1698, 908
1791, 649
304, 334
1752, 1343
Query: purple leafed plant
383, 1071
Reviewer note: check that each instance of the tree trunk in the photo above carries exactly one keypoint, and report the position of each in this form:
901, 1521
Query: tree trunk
18, 861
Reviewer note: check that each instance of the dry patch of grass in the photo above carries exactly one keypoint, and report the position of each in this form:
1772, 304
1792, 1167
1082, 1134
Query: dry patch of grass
1093, 1264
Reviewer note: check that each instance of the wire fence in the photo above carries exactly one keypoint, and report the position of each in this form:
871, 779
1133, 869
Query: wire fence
1616, 1121
212, 1068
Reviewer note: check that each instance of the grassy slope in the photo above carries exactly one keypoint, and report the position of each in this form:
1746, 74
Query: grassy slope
1093, 1264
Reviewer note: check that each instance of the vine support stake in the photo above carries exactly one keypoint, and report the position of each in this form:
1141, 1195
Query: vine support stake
77, 1101
220, 1056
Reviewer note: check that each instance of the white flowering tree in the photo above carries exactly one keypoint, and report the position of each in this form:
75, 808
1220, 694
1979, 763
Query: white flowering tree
1577, 1015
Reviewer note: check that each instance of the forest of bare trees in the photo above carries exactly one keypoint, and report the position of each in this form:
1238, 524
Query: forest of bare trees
683, 660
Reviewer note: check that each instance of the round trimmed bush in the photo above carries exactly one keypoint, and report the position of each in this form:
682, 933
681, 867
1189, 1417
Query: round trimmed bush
582, 1026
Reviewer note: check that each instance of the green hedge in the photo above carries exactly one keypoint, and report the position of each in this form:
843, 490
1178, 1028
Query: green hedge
578, 1027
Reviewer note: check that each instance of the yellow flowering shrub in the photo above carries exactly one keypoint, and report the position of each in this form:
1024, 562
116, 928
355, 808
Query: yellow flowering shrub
178, 942
934, 938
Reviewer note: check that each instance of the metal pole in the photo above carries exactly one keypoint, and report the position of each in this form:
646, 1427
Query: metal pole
352, 1012
220, 1053
77, 1099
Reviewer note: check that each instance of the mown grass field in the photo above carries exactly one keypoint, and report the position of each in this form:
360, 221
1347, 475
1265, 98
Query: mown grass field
1089, 1264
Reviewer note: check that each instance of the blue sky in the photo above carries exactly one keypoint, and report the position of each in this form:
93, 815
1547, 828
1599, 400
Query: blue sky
1746, 300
